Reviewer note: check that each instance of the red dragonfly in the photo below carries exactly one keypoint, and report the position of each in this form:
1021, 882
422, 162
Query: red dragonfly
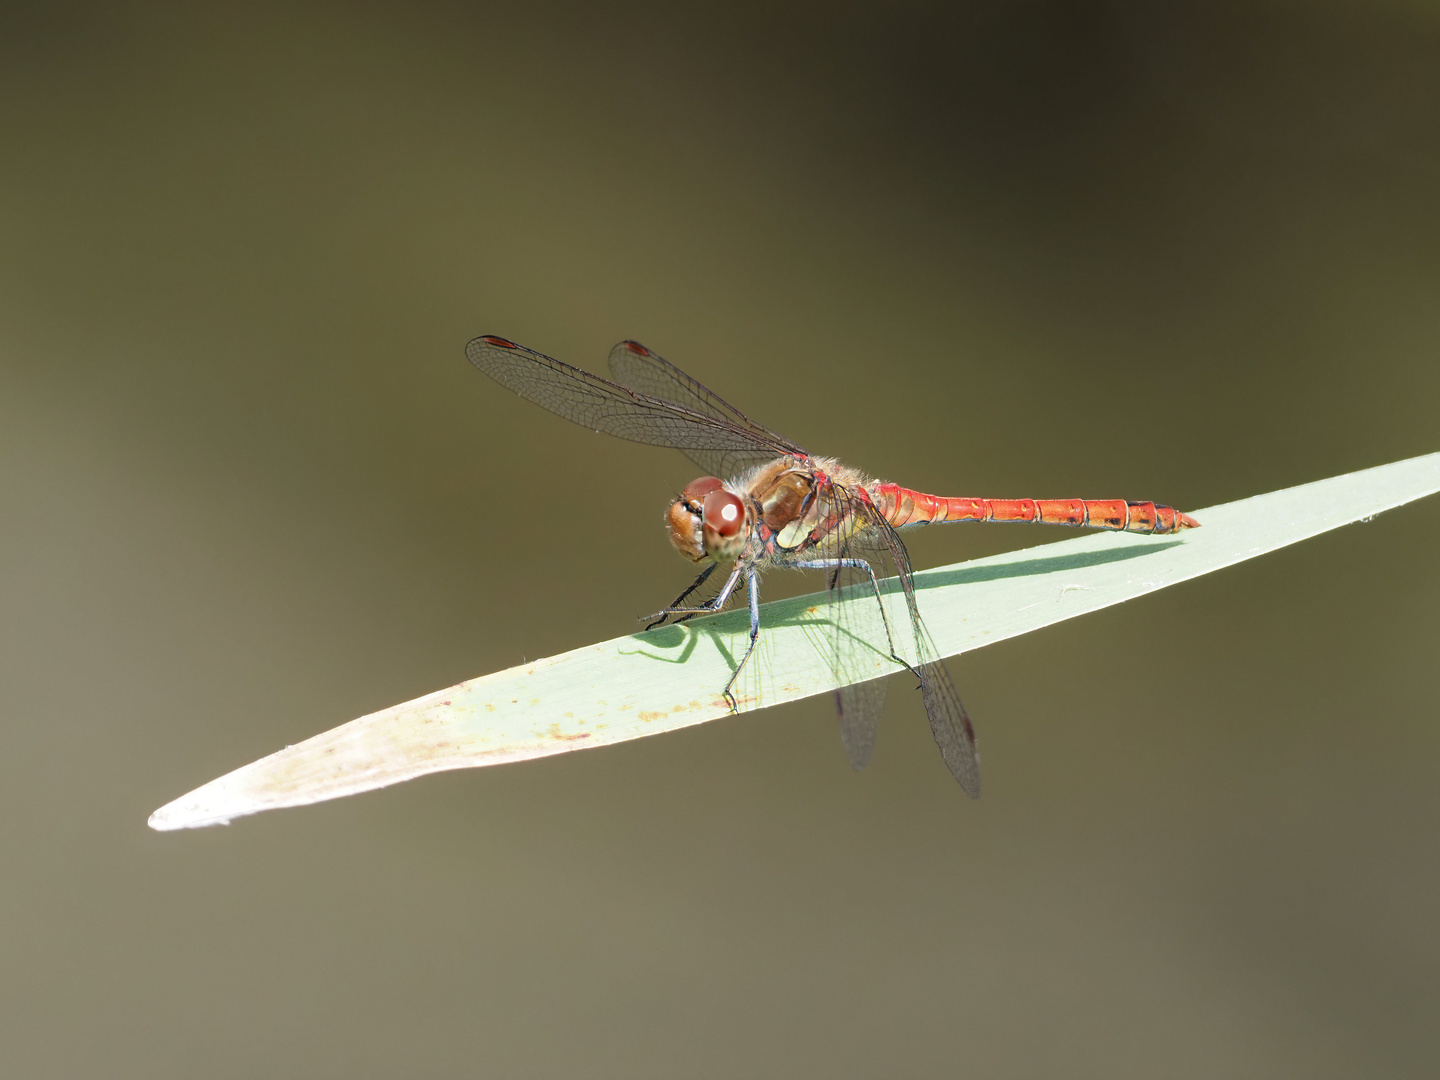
781, 506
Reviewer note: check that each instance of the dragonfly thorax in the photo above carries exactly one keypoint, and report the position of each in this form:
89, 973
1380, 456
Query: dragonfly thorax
708, 521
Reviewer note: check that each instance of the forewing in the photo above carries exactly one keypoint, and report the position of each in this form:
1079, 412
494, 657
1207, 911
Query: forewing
646, 371
601, 405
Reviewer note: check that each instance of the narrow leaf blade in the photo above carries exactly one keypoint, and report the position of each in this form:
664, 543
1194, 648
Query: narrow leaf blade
666, 679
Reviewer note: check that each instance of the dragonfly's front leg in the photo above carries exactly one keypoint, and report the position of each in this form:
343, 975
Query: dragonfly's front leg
714, 604
674, 605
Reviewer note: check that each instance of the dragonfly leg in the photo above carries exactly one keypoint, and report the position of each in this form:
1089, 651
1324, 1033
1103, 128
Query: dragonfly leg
720, 599
714, 604
860, 564
670, 608
752, 587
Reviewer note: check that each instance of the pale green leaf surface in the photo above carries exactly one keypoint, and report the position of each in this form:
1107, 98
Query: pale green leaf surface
669, 678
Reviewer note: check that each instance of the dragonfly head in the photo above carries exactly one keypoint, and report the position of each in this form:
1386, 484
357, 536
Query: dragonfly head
707, 521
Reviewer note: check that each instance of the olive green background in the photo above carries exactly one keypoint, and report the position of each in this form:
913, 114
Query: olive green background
250, 489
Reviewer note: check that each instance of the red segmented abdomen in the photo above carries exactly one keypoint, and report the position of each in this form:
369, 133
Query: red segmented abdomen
901, 506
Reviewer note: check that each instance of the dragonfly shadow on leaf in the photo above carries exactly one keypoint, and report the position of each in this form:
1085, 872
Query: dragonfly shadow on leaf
687, 635
967, 574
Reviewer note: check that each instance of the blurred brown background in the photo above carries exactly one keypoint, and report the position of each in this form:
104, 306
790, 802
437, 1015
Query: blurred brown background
251, 489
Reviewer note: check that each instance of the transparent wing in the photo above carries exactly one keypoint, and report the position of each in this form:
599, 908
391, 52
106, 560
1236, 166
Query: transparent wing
860, 705
860, 631
642, 369
713, 440
949, 723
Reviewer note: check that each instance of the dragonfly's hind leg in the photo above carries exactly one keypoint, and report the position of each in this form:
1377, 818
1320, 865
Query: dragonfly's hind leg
837, 565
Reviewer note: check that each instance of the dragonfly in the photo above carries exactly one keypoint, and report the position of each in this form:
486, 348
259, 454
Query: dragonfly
766, 502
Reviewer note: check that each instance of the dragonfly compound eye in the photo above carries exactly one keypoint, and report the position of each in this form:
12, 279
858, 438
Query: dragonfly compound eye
696, 490
724, 514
